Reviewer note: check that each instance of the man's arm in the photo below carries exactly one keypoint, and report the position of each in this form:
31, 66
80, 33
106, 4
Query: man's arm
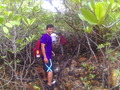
53, 53
44, 52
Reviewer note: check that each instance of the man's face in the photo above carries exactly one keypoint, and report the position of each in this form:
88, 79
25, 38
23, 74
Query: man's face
50, 30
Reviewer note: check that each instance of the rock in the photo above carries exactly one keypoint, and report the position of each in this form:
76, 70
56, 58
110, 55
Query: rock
68, 86
98, 88
114, 77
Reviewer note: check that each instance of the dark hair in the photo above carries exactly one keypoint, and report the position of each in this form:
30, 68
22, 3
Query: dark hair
49, 26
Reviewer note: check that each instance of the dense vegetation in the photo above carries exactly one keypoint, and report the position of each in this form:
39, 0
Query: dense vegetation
91, 27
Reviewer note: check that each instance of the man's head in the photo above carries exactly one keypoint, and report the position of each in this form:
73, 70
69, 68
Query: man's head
50, 29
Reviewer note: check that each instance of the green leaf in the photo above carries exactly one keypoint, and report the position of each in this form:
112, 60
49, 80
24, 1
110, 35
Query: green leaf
5, 30
20, 40
101, 46
32, 21
36, 87
17, 17
28, 20
25, 20
3, 6
112, 1
89, 16
10, 14
15, 23
76, 1
92, 3
100, 10
88, 29
0, 25
9, 25
1, 19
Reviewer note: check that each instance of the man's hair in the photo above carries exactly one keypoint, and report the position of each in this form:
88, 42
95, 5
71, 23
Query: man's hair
49, 26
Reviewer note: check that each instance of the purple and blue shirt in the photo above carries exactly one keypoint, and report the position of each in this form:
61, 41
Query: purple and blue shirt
46, 39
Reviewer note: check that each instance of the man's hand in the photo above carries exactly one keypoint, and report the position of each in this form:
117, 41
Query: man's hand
53, 54
45, 60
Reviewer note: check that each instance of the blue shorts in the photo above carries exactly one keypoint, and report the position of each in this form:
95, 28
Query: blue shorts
49, 66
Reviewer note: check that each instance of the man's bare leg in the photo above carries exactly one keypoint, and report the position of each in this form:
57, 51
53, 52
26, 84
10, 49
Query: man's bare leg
50, 77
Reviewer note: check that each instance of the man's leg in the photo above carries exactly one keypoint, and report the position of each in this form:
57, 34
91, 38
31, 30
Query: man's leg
50, 78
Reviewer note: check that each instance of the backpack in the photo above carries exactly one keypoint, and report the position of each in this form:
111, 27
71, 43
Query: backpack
37, 49
63, 40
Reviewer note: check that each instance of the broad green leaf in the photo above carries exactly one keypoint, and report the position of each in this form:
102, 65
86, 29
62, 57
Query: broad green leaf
92, 3
25, 20
0, 25
17, 17
5, 30
28, 20
32, 21
9, 25
1, 19
76, 1
20, 40
15, 23
112, 1
3, 6
81, 17
114, 6
100, 10
10, 14
89, 16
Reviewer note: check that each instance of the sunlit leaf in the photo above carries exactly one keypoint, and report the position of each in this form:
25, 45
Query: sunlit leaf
10, 14
36, 87
1, 19
8, 25
25, 20
5, 30
101, 46
81, 17
100, 10
0, 25
92, 3
76, 1
17, 17
20, 40
15, 23
89, 16
32, 21
2, 6
112, 1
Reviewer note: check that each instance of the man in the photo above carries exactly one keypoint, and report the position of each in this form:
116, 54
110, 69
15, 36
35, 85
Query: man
46, 47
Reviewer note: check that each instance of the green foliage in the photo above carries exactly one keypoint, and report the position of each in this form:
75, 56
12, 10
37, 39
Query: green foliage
98, 12
76, 1
5, 29
28, 22
1, 19
103, 45
88, 16
84, 64
36, 87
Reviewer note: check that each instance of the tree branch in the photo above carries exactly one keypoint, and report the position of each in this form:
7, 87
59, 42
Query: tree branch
112, 24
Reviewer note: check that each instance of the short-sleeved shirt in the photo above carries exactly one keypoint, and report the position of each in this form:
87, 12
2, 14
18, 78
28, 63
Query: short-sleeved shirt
46, 39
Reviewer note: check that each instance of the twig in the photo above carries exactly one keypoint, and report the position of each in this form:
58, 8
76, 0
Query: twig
112, 24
